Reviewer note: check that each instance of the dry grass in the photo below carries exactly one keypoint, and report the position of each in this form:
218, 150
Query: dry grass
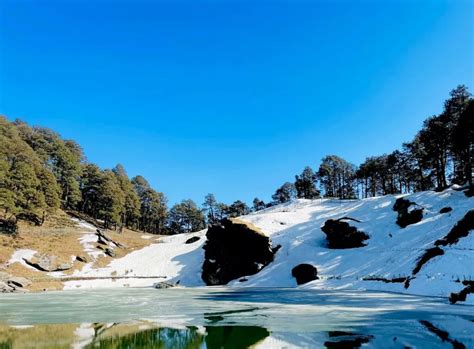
248, 225
38, 336
60, 236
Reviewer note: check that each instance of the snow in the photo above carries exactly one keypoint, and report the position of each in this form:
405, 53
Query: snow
169, 260
19, 256
390, 252
88, 239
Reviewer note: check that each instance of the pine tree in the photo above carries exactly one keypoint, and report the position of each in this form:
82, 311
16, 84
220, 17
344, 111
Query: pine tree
153, 209
285, 193
111, 200
210, 208
258, 204
305, 184
185, 217
238, 208
337, 177
130, 213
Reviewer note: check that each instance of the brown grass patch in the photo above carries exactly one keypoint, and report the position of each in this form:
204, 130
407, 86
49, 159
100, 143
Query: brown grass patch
60, 236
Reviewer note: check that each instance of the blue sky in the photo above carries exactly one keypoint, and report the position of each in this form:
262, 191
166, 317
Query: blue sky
231, 97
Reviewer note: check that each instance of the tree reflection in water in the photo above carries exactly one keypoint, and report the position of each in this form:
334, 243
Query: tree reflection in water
216, 337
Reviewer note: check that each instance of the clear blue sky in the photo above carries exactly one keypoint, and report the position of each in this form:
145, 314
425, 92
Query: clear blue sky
231, 97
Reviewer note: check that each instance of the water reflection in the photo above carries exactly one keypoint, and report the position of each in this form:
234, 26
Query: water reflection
134, 335
227, 318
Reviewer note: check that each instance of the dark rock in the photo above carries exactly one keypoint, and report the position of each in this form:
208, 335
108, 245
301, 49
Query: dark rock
347, 340
18, 281
163, 284
469, 192
462, 295
82, 259
429, 254
445, 210
406, 214
460, 230
234, 249
101, 241
110, 252
304, 273
340, 234
48, 263
192, 240
6, 288
443, 335
243, 280
385, 280
104, 239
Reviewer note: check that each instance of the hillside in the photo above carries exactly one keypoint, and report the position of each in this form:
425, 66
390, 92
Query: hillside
388, 259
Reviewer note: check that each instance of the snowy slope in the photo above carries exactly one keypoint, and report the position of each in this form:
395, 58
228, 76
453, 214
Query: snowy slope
391, 252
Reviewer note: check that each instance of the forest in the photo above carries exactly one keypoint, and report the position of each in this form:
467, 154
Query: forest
41, 172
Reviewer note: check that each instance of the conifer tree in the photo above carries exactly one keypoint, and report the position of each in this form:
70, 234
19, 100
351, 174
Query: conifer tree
305, 184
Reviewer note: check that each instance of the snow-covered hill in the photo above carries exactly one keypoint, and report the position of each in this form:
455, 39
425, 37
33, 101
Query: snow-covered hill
391, 252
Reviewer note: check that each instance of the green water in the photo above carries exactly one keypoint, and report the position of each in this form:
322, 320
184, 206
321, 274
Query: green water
231, 318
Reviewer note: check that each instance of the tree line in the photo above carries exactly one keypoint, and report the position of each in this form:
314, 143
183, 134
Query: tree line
41, 172
440, 154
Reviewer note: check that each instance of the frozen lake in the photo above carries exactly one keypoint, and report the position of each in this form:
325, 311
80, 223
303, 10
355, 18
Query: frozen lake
231, 318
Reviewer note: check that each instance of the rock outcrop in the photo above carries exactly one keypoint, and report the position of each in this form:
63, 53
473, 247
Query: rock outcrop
163, 284
304, 273
10, 284
408, 212
445, 210
340, 234
48, 263
234, 249
192, 240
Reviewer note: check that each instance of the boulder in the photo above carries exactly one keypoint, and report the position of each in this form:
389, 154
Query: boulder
110, 252
234, 249
6, 288
163, 284
192, 240
104, 239
408, 212
82, 259
48, 263
445, 210
340, 234
304, 273
101, 241
18, 281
